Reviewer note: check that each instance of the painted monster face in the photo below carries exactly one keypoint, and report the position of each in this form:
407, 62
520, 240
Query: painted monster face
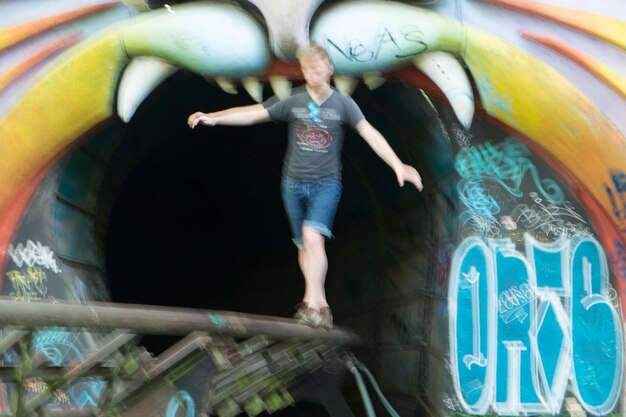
507, 291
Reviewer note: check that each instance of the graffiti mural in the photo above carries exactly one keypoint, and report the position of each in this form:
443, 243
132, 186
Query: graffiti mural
60, 347
36, 274
532, 311
523, 324
505, 164
530, 271
29, 279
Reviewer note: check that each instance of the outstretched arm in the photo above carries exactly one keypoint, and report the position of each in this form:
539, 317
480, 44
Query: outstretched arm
235, 116
404, 172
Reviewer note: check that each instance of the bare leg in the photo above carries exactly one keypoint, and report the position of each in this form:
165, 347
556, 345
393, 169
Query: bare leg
314, 264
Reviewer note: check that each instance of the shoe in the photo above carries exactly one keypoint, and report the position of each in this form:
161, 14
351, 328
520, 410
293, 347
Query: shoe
300, 307
307, 315
326, 318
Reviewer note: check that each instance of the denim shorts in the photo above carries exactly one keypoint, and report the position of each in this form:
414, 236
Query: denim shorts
312, 203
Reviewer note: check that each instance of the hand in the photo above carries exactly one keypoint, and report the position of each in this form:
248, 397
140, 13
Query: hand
205, 119
407, 173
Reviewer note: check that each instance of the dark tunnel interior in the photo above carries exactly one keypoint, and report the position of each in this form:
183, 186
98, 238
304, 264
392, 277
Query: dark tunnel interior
199, 221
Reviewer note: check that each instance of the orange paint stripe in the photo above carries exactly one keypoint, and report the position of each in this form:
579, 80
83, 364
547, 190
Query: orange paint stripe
611, 241
597, 69
13, 216
605, 28
11, 75
16, 34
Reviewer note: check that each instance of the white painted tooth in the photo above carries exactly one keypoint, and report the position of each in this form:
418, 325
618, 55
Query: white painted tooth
139, 5
254, 87
446, 71
281, 86
140, 78
463, 107
373, 80
345, 84
226, 85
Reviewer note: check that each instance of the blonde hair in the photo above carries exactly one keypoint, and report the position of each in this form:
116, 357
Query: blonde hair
313, 50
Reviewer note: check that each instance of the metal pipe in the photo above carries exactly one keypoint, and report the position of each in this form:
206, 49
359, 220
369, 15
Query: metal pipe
145, 319
12, 337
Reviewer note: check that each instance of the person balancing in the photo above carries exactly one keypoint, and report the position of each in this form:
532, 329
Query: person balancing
311, 181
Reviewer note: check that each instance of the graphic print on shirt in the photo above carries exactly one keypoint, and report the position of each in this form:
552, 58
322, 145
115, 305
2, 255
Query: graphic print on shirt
313, 135
314, 110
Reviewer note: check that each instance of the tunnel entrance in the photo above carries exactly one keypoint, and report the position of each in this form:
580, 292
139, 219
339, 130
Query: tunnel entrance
199, 218
199, 221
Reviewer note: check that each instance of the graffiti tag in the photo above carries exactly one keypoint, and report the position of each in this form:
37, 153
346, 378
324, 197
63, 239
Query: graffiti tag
512, 303
29, 285
507, 164
481, 207
406, 42
33, 254
57, 344
497, 103
37, 385
549, 218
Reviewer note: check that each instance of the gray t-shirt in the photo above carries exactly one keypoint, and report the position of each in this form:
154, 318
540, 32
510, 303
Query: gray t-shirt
316, 133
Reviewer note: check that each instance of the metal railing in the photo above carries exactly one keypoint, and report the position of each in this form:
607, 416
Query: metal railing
243, 363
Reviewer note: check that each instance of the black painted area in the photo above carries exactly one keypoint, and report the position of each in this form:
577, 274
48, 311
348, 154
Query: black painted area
200, 210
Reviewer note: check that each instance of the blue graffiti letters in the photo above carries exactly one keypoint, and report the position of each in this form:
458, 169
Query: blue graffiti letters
471, 282
507, 164
481, 207
595, 326
617, 195
58, 345
496, 102
181, 399
522, 326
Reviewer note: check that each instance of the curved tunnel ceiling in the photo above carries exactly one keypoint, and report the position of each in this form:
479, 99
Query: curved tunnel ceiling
193, 217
